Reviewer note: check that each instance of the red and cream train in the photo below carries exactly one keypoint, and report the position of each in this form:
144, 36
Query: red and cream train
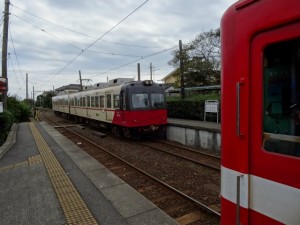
130, 109
260, 173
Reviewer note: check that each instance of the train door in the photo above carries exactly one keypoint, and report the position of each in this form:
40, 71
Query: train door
108, 104
274, 183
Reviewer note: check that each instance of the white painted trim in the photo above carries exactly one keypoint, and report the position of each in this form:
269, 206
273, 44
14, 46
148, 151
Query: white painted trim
229, 186
272, 199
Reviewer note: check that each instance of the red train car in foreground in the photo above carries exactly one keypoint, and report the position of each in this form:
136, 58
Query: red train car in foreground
260, 181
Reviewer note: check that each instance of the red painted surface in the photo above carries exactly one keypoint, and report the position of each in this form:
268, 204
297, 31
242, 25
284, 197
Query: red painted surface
140, 118
246, 28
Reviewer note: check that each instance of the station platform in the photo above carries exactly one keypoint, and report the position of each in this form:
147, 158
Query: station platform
195, 124
47, 179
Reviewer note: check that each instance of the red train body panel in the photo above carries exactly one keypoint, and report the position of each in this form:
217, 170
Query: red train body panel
260, 100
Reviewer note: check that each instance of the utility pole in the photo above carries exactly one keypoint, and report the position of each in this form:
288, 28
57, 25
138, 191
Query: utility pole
139, 71
181, 71
151, 71
26, 85
80, 80
4, 50
33, 96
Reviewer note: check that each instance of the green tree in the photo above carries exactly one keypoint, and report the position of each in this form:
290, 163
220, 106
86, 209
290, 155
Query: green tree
19, 109
45, 100
201, 59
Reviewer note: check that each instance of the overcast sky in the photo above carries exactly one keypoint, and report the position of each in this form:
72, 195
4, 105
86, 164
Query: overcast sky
52, 40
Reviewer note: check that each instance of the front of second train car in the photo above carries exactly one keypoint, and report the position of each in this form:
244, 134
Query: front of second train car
142, 109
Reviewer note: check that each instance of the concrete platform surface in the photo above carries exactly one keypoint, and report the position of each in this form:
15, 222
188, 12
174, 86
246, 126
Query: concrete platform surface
27, 195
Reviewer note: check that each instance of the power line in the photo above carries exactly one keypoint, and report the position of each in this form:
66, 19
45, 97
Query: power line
72, 45
77, 32
43, 30
144, 57
12, 41
107, 32
20, 88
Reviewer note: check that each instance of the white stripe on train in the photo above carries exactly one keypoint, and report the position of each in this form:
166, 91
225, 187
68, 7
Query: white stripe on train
275, 200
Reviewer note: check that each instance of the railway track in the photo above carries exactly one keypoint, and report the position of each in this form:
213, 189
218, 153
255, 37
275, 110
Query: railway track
179, 205
201, 158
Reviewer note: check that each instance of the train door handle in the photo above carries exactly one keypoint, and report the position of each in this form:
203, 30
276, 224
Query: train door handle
238, 106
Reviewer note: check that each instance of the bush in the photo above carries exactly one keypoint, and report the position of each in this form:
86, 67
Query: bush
17, 112
20, 110
191, 107
6, 120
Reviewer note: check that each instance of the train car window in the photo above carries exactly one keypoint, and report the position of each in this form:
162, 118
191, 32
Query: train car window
83, 101
75, 101
101, 101
281, 119
108, 101
97, 99
88, 101
157, 100
116, 99
92, 101
140, 100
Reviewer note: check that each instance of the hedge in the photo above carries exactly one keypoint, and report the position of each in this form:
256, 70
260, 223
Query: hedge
6, 121
191, 108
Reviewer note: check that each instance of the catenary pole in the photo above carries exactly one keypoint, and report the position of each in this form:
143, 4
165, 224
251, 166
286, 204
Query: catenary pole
4, 50
182, 94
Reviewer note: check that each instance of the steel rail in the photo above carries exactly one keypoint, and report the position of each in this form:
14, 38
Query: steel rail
183, 157
194, 201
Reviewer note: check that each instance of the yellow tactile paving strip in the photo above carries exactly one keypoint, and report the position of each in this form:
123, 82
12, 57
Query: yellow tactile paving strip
75, 210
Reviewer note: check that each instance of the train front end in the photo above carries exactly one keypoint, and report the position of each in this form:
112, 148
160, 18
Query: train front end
142, 109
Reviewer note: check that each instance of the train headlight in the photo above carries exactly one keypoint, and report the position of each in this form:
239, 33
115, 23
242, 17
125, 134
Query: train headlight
148, 82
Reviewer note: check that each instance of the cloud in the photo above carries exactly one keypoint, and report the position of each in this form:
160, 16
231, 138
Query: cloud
47, 50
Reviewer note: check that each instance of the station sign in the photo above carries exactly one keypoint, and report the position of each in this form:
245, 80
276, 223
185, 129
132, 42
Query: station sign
3, 84
211, 106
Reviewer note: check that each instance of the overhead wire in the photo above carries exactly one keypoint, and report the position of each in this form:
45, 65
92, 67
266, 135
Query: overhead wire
12, 41
43, 30
20, 87
131, 62
77, 32
107, 32
70, 44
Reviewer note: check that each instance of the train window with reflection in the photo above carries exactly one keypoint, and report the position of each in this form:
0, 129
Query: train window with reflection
101, 101
83, 101
88, 101
140, 100
157, 100
92, 101
281, 118
108, 101
97, 101
116, 100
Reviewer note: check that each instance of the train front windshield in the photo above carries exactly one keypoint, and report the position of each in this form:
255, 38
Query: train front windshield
147, 101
